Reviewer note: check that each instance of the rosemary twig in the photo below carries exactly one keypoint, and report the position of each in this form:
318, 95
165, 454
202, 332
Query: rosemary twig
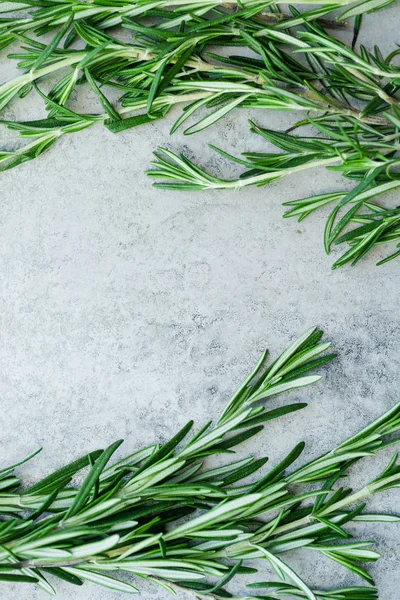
50, 14
350, 98
126, 517
377, 171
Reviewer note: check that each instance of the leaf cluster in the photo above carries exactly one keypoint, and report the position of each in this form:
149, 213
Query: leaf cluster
171, 58
163, 515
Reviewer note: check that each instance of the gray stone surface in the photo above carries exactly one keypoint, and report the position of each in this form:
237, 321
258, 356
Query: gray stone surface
125, 309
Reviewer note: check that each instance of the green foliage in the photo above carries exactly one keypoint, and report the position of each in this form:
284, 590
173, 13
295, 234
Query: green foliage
127, 516
348, 97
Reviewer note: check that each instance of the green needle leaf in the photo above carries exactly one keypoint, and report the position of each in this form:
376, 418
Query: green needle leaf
48, 51
91, 479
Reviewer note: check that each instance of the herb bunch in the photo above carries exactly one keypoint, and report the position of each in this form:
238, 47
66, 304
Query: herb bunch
48, 15
164, 516
356, 133
349, 98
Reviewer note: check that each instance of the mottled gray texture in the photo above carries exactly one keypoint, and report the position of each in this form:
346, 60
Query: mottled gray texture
126, 309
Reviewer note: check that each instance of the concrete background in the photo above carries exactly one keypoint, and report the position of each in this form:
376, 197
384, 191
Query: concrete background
125, 309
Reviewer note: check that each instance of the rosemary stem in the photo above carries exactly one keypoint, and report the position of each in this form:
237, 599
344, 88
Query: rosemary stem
31, 76
239, 183
195, 593
353, 499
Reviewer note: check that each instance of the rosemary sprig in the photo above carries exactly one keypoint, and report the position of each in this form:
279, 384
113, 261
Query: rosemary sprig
374, 225
126, 517
349, 98
50, 14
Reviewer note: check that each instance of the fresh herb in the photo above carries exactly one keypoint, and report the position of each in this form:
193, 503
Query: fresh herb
162, 515
349, 97
361, 143
48, 15
372, 224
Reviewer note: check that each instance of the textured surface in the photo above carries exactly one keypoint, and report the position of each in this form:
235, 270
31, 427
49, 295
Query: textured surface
125, 309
